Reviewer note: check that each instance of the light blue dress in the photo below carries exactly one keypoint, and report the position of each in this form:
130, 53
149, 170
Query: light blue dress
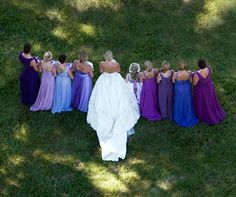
183, 105
62, 93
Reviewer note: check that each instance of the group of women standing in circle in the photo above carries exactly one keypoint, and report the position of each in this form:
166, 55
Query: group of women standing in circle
115, 104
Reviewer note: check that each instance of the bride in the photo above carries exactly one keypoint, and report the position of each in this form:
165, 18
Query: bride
112, 110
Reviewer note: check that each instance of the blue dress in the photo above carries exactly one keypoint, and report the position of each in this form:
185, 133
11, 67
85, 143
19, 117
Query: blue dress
62, 93
183, 105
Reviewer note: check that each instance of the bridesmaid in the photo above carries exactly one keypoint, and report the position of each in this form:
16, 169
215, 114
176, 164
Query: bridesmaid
149, 93
82, 84
133, 81
29, 78
206, 104
45, 96
165, 90
62, 90
183, 107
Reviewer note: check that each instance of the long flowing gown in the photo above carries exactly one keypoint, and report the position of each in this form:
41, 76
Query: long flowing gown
81, 91
149, 99
29, 81
207, 106
135, 87
165, 92
44, 99
183, 105
62, 93
112, 112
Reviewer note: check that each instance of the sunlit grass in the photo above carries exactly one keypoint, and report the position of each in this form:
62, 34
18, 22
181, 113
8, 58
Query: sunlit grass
21, 133
212, 15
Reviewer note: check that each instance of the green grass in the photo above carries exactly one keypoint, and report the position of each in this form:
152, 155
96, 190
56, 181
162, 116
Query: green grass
58, 155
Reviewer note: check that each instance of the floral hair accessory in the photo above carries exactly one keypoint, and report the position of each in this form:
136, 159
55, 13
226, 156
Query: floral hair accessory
134, 65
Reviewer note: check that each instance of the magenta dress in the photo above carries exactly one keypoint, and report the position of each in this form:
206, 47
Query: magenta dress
149, 99
44, 99
81, 91
206, 104
29, 81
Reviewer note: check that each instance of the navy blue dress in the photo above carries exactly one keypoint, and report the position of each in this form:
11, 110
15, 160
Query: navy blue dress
183, 104
29, 81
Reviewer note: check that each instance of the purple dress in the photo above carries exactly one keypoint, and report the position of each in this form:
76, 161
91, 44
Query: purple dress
29, 81
207, 106
165, 92
81, 91
149, 99
44, 99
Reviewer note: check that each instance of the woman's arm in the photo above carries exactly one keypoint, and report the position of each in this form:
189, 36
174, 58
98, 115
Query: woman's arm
70, 74
118, 68
101, 67
74, 66
174, 77
190, 74
159, 78
91, 72
34, 65
141, 77
40, 64
195, 79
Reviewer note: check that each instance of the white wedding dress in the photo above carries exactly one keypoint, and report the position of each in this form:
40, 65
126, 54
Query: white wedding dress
112, 112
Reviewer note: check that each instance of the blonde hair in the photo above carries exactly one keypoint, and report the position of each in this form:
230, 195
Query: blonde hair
83, 57
165, 66
182, 65
134, 70
47, 56
108, 55
149, 65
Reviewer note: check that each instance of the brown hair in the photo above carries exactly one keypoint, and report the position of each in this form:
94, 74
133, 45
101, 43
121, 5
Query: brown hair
83, 57
182, 65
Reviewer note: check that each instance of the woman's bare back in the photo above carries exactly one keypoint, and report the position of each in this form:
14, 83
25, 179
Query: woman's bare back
109, 67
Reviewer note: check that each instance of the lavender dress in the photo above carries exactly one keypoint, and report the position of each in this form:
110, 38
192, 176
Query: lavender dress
206, 104
29, 81
44, 99
149, 99
165, 91
81, 91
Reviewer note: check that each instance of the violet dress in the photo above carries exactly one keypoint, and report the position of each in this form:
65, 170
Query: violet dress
44, 99
183, 111
206, 104
81, 91
149, 99
29, 81
62, 93
165, 92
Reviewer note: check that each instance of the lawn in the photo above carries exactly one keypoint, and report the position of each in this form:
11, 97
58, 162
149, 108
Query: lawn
42, 154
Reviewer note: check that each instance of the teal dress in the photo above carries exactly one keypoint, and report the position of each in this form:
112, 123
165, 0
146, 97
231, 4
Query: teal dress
183, 110
62, 93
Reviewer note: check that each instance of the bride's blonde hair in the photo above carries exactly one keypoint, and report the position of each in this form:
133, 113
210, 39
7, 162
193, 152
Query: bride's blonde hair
108, 55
